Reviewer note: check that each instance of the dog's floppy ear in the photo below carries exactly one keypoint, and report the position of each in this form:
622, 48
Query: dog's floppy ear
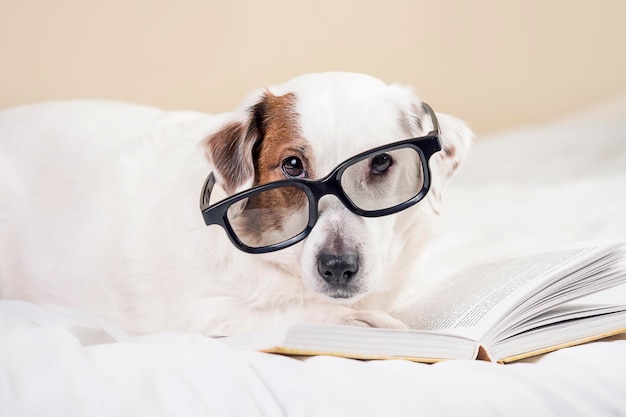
230, 149
456, 138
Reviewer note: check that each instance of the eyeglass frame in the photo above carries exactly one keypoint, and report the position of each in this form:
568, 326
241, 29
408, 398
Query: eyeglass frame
425, 146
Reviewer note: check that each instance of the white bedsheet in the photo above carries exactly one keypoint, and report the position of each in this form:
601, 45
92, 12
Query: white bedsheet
540, 185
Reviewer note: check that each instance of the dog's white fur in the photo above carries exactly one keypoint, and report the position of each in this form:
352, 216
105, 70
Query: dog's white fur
99, 211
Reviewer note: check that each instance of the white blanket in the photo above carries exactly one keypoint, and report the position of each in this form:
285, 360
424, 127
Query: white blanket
536, 186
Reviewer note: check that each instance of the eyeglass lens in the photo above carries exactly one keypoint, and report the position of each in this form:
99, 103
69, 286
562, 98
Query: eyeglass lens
270, 217
384, 181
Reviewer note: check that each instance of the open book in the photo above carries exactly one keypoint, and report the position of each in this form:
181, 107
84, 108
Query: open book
500, 311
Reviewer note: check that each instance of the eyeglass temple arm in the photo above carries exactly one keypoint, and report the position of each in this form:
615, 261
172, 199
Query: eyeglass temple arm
205, 197
433, 117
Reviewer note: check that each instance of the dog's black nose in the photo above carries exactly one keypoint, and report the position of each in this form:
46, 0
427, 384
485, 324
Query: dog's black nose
337, 270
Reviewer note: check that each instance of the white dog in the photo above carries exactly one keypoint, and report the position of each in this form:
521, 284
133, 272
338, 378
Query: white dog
99, 207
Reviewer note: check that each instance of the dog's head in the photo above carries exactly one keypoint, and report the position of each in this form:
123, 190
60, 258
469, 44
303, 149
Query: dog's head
303, 129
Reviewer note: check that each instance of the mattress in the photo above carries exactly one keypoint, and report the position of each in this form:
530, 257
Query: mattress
538, 185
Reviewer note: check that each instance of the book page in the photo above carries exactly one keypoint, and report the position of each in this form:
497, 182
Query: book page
465, 299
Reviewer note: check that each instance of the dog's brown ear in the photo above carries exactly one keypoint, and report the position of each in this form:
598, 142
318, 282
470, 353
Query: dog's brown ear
456, 138
230, 149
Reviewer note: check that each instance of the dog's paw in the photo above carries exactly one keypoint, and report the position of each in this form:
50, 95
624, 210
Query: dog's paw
370, 318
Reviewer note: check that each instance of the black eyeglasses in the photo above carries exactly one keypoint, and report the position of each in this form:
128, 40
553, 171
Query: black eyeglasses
378, 182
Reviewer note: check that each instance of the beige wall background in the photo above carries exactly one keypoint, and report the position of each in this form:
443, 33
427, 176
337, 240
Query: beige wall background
494, 63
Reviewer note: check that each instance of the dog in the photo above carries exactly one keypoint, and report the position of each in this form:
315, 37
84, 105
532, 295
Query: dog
99, 208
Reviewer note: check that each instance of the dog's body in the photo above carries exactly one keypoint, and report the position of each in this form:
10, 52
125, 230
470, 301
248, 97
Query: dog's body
100, 207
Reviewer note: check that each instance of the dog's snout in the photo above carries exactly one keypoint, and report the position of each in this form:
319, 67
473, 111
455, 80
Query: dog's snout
337, 270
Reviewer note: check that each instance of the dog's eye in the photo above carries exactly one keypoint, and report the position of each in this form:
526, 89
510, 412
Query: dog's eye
381, 163
293, 167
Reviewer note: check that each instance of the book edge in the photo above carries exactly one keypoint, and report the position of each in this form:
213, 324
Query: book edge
281, 350
575, 342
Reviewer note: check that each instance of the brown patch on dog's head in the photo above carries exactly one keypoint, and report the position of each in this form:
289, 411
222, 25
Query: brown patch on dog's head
253, 152
282, 139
